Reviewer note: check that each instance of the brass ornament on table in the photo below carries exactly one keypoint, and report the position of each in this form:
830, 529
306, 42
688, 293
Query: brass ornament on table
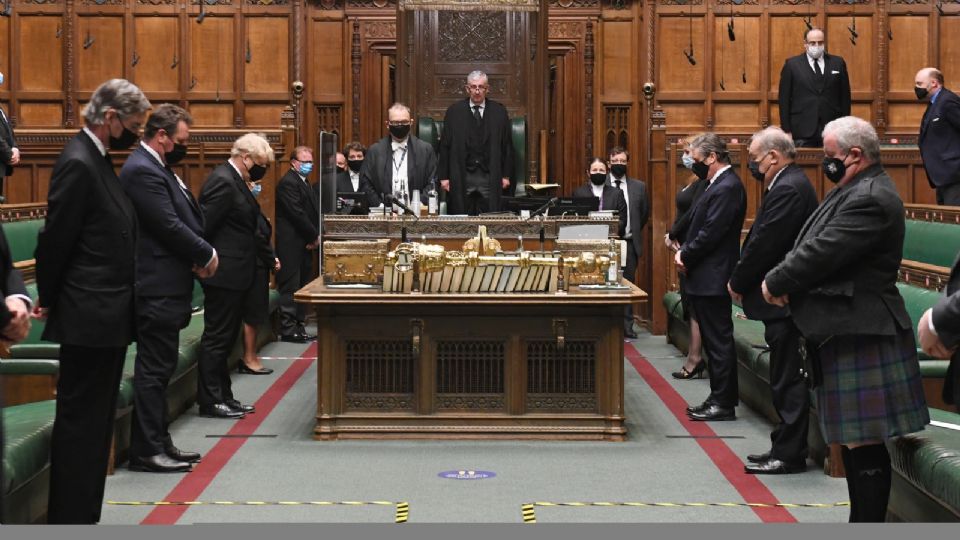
354, 261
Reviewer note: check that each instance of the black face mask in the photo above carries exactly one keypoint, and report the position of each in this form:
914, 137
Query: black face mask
921, 92
833, 169
618, 170
125, 140
598, 179
700, 169
177, 154
355, 164
754, 167
257, 172
400, 132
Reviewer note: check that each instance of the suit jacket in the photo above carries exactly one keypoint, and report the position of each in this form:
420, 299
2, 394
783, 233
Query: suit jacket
298, 216
691, 195
639, 207
800, 94
946, 320
10, 279
612, 199
453, 151
265, 254
344, 185
230, 213
86, 251
782, 213
7, 144
376, 175
841, 274
939, 139
171, 227
712, 246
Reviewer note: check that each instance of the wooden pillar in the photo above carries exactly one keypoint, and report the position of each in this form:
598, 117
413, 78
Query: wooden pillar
68, 35
355, 57
661, 200
588, 61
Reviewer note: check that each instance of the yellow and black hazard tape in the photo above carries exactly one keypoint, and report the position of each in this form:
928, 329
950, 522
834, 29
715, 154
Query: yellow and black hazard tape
402, 508
529, 513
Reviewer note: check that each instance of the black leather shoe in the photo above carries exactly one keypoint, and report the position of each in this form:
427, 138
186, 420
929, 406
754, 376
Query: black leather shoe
242, 368
160, 463
240, 407
294, 338
220, 410
758, 458
713, 412
700, 407
308, 337
774, 466
177, 454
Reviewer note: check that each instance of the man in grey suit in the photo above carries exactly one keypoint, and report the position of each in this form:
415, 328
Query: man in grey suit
398, 163
638, 212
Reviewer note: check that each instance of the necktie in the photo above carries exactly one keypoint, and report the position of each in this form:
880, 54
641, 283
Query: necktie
816, 68
618, 183
476, 113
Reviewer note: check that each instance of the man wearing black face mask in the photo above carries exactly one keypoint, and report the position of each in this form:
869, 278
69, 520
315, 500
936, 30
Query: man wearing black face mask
86, 274
610, 197
349, 182
398, 163
939, 139
840, 283
788, 200
171, 250
638, 211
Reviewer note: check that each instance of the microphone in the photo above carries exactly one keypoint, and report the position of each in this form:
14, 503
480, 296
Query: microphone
549, 204
390, 199
202, 14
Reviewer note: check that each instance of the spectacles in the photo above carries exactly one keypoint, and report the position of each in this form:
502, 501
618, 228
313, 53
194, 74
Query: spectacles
400, 123
477, 87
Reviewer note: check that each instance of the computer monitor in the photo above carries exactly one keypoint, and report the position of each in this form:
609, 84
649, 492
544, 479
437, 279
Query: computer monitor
350, 202
580, 206
516, 204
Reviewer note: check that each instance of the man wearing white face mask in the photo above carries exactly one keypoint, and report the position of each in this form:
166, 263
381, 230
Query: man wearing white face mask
9, 153
813, 81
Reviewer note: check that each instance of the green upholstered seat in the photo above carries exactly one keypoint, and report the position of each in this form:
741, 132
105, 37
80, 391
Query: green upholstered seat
26, 461
22, 238
926, 467
33, 346
431, 131
931, 243
917, 300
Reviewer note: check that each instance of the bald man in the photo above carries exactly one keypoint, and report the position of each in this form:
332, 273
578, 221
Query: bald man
939, 139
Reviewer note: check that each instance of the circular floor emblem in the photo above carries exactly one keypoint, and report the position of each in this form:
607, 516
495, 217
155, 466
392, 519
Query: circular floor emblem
467, 475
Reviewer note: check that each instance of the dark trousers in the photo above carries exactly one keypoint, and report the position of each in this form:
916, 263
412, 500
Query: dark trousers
159, 320
87, 389
222, 315
948, 195
477, 192
630, 272
716, 331
790, 396
294, 273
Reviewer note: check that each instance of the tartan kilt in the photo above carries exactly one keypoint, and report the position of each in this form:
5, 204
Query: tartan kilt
871, 389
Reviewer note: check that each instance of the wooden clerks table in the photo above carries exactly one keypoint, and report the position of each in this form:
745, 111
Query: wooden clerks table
480, 366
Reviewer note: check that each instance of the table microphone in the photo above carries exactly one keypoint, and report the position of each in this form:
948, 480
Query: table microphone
390, 199
549, 204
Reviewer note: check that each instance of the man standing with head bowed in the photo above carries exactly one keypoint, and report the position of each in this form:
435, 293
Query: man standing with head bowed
939, 139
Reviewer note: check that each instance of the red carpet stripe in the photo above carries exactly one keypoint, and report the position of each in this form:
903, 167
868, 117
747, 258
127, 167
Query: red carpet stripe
750, 488
195, 482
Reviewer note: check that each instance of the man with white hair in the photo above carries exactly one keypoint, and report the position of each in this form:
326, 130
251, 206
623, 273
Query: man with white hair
231, 215
476, 151
840, 280
86, 253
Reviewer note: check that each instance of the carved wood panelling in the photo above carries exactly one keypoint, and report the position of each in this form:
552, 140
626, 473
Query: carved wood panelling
453, 86
792, 2
380, 30
330, 118
472, 36
680, 2
43, 2
267, 2
616, 126
565, 30
567, 4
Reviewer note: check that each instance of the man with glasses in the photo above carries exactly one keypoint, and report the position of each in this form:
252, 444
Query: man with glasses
814, 89
398, 163
476, 153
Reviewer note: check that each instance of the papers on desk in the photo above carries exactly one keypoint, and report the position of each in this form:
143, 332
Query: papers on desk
352, 286
537, 187
583, 232
603, 287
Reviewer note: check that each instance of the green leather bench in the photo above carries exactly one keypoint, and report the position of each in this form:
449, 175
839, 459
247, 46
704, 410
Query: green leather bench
926, 473
28, 429
430, 130
917, 300
931, 242
22, 238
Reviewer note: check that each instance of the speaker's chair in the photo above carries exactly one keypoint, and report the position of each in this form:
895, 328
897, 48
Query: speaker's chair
431, 130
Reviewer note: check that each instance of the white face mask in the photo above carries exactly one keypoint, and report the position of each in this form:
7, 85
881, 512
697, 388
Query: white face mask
815, 51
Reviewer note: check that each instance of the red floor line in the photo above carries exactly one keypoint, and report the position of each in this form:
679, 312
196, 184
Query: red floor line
747, 485
194, 483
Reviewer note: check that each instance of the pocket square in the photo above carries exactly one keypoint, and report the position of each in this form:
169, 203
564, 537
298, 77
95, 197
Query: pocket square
937, 119
834, 72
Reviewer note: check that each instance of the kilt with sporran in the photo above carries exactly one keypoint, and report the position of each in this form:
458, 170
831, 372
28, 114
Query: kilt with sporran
871, 388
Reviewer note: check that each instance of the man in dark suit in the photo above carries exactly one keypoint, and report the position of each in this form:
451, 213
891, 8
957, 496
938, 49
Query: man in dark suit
476, 153
170, 248
638, 211
349, 182
707, 257
298, 226
399, 162
9, 153
230, 225
814, 89
610, 197
939, 333
939, 139
787, 202
840, 282
86, 260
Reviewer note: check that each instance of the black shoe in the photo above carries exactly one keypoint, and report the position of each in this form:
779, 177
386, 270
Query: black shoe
177, 454
758, 458
220, 410
713, 412
242, 368
160, 463
697, 372
774, 466
700, 407
240, 407
294, 338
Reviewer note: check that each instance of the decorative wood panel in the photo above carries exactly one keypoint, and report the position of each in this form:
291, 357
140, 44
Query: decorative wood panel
4, 49
561, 380
379, 375
267, 55
40, 65
910, 54
102, 53
736, 63
212, 114
618, 61
157, 54
262, 115
859, 57
40, 114
470, 375
616, 127
785, 40
330, 118
676, 74
212, 47
326, 62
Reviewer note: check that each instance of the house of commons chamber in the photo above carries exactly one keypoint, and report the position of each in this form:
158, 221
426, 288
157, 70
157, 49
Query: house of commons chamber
508, 262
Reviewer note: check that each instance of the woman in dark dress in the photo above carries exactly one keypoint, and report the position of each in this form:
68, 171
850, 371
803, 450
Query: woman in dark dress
256, 304
686, 198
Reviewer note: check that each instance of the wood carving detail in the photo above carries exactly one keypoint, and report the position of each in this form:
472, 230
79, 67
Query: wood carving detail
380, 30
565, 30
453, 86
472, 36
567, 4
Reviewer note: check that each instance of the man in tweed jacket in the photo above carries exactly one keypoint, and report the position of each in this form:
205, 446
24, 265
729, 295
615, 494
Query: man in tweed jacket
840, 282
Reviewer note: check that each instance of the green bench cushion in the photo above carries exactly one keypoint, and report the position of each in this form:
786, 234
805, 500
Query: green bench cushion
22, 238
29, 366
26, 444
930, 462
917, 300
931, 243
